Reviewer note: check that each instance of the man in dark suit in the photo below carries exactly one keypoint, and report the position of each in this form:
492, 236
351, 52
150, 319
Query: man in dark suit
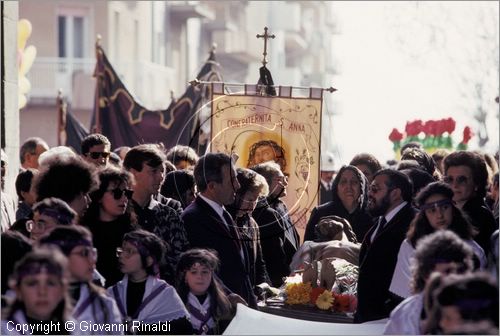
209, 225
390, 204
327, 174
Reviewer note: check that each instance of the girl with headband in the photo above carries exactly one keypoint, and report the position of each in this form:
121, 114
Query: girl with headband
437, 212
42, 304
143, 298
92, 306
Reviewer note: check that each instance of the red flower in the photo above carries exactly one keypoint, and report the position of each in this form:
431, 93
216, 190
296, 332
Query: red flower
449, 125
395, 135
440, 127
413, 128
430, 127
315, 292
467, 135
344, 302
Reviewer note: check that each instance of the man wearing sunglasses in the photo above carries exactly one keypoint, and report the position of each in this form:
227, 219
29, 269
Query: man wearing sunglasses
389, 202
96, 149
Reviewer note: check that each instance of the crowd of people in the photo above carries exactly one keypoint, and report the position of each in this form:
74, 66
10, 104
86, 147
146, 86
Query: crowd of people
136, 239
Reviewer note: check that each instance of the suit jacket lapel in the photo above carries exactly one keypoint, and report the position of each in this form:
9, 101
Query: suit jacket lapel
219, 225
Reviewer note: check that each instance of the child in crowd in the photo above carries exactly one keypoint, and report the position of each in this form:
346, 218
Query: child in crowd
47, 214
41, 301
465, 301
141, 295
90, 301
210, 309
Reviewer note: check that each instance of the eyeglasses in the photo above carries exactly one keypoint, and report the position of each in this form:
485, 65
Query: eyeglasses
31, 224
96, 155
87, 252
459, 179
118, 193
127, 253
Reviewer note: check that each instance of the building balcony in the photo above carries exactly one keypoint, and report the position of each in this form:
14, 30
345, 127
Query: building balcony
243, 47
183, 10
149, 83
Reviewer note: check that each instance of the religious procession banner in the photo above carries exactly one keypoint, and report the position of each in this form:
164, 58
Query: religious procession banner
282, 128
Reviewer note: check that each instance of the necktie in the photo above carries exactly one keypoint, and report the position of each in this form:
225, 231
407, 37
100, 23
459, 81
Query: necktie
380, 227
231, 226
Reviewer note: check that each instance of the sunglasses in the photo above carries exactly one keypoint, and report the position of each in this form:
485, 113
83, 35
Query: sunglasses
459, 179
96, 155
118, 193
87, 252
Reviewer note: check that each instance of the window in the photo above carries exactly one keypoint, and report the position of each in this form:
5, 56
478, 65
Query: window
72, 28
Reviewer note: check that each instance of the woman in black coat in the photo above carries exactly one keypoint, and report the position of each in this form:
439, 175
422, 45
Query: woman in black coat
350, 201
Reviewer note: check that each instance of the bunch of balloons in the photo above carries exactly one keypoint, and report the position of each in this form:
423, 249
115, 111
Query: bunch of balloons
25, 58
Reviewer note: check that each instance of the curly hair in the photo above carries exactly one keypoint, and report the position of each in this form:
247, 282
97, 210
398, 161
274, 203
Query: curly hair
107, 176
92, 140
420, 226
438, 247
476, 164
65, 179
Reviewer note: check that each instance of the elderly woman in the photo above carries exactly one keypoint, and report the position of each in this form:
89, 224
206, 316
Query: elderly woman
437, 212
350, 195
252, 186
467, 175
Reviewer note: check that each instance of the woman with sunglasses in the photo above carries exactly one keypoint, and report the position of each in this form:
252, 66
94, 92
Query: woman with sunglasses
109, 217
467, 175
437, 212
89, 300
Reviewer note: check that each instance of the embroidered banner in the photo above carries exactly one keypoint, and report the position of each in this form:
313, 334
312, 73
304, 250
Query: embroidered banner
262, 128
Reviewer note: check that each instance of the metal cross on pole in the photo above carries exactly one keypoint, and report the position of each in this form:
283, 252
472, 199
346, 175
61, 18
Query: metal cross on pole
265, 36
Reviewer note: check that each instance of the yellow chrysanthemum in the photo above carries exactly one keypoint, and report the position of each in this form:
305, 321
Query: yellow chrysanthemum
325, 300
298, 293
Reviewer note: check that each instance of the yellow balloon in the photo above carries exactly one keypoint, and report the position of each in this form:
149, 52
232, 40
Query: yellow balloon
28, 59
24, 85
23, 32
21, 101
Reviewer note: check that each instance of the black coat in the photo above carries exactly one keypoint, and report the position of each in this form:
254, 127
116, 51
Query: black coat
205, 229
360, 220
277, 247
482, 219
377, 261
325, 195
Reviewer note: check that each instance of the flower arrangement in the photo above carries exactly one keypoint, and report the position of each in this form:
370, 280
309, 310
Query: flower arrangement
436, 134
340, 298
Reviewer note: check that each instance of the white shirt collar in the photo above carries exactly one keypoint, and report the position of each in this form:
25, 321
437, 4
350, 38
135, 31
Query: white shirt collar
214, 205
394, 211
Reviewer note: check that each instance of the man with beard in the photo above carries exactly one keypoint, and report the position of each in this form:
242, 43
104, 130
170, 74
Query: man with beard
389, 202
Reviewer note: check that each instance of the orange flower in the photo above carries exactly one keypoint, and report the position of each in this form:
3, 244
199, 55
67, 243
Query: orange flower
315, 292
298, 293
